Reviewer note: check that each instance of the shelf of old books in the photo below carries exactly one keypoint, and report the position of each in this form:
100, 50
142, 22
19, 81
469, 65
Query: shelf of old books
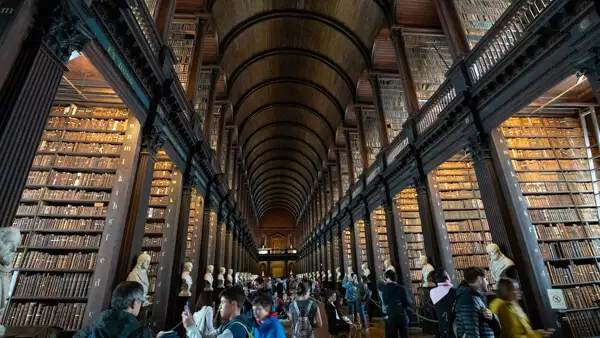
156, 213
379, 235
212, 238
478, 16
181, 39
62, 214
193, 222
556, 160
359, 230
336, 253
465, 219
347, 245
407, 210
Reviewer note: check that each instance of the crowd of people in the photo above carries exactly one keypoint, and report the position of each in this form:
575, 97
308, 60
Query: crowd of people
258, 309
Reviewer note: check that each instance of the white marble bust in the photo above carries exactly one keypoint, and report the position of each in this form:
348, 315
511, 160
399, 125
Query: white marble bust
323, 275
498, 261
426, 270
338, 274
186, 280
388, 265
229, 278
221, 278
10, 239
208, 278
365, 270
329, 276
140, 274
349, 271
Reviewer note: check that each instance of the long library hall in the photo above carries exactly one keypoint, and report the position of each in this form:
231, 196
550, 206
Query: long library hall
400, 164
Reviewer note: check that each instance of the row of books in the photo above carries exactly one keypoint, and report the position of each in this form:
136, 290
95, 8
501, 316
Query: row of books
554, 176
571, 249
86, 123
470, 236
55, 135
562, 231
59, 224
468, 248
70, 210
558, 165
464, 214
545, 187
541, 131
463, 262
68, 316
156, 212
529, 121
77, 111
545, 142
44, 260
460, 194
76, 195
75, 161
456, 178
582, 297
152, 241
462, 204
573, 273
459, 185
71, 179
554, 200
158, 200
71, 147
159, 191
414, 263
549, 153
66, 285
415, 245
416, 275
584, 323
563, 215
153, 227
468, 225
63, 241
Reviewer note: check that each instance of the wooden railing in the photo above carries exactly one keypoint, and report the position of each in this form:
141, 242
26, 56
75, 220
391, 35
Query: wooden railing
146, 23
506, 33
430, 112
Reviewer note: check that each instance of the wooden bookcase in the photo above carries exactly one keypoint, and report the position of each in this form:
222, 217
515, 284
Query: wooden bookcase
465, 219
347, 245
361, 245
182, 38
556, 161
478, 16
62, 214
380, 239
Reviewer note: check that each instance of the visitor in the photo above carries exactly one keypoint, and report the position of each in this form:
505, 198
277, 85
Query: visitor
472, 317
443, 297
362, 297
350, 285
203, 317
396, 300
304, 313
236, 326
338, 324
512, 318
268, 326
121, 319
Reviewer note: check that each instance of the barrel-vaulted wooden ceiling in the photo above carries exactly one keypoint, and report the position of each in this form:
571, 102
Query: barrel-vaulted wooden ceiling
289, 69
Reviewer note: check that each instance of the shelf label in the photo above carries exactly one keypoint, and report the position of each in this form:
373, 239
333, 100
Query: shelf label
557, 299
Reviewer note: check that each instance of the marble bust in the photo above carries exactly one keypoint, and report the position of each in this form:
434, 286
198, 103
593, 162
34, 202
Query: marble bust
221, 278
323, 275
140, 274
349, 271
426, 270
498, 261
338, 274
365, 270
388, 265
10, 238
229, 278
329, 276
208, 278
186, 280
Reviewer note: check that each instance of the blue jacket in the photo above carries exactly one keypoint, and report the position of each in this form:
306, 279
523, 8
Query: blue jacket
270, 328
350, 290
469, 319
237, 330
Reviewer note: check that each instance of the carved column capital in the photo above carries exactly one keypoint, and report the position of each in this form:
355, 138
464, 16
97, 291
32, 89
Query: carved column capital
152, 139
58, 29
479, 148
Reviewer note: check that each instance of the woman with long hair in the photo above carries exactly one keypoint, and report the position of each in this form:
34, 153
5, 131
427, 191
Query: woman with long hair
203, 316
304, 313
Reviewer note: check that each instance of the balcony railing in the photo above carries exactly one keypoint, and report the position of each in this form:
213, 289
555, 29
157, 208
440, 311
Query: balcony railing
430, 112
506, 33
277, 251
146, 23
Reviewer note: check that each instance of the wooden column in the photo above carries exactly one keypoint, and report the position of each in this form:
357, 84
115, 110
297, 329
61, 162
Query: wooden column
353, 248
343, 263
197, 245
362, 141
331, 187
214, 77
396, 240
172, 252
339, 175
349, 155
509, 223
412, 102
221, 138
435, 234
219, 244
164, 19
379, 112
331, 253
228, 146
196, 65
452, 27
234, 182
133, 235
27, 95
235, 248
229, 247
207, 247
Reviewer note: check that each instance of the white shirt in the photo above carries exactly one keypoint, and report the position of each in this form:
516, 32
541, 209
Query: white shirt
204, 323
440, 292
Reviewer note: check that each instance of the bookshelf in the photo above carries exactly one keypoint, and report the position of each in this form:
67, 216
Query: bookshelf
345, 181
407, 210
478, 16
156, 214
347, 245
394, 107
357, 162
466, 223
380, 239
361, 236
193, 224
212, 237
336, 254
62, 215
555, 159
181, 39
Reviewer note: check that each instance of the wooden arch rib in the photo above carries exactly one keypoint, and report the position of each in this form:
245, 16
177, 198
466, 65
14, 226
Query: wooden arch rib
279, 190
284, 153
280, 163
267, 129
276, 205
279, 197
276, 142
287, 183
290, 171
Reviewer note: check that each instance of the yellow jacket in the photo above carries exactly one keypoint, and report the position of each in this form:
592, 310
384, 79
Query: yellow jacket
513, 319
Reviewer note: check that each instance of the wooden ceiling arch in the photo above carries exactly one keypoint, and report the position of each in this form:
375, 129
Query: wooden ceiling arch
292, 68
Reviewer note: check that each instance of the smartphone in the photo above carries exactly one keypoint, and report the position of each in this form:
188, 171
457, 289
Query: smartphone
187, 305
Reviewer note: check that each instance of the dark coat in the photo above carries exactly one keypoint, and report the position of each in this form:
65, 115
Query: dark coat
395, 298
115, 323
469, 320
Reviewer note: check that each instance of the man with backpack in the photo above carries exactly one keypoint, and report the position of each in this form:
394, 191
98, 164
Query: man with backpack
396, 300
121, 319
236, 326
